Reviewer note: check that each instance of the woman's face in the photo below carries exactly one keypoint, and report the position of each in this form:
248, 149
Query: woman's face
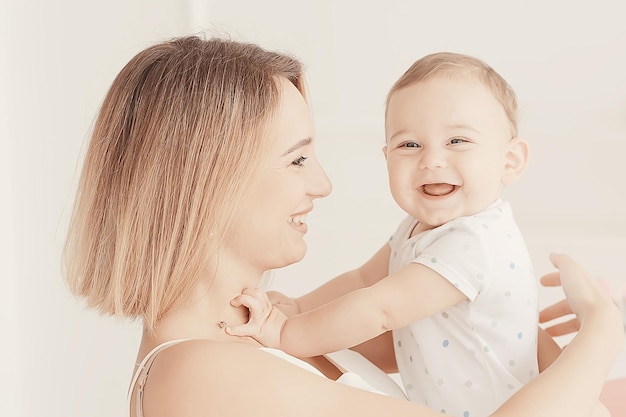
273, 219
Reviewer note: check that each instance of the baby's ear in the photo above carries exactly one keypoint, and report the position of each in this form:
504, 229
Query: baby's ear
516, 160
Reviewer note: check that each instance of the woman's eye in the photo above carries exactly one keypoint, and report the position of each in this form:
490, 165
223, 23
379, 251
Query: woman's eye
300, 161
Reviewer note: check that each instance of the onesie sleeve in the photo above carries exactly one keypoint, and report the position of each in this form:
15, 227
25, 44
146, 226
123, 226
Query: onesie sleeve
458, 252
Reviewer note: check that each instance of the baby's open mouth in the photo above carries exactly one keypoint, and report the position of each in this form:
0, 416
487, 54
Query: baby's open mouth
438, 189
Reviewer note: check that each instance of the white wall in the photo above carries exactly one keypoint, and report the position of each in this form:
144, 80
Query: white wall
58, 58
565, 61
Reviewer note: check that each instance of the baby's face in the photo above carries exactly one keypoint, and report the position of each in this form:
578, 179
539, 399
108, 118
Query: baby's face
447, 144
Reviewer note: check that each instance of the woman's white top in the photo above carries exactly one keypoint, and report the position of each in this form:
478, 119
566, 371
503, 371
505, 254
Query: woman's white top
357, 372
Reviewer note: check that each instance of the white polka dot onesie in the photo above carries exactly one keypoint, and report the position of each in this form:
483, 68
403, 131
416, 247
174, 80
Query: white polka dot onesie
470, 358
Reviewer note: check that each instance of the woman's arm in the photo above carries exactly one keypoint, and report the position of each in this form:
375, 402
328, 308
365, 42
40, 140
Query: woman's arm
571, 386
547, 350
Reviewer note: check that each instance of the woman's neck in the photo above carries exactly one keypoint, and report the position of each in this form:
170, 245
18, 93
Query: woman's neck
207, 305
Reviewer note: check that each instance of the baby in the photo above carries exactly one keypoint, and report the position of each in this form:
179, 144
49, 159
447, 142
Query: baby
455, 282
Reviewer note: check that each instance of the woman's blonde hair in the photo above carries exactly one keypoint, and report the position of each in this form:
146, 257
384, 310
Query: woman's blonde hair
452, 64
176, 145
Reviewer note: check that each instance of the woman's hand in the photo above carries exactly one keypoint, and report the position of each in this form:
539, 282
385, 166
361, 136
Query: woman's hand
555, 311
584, 294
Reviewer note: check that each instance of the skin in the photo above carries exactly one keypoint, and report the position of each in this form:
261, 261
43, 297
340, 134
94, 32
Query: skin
449, 154
216, 374
449, 150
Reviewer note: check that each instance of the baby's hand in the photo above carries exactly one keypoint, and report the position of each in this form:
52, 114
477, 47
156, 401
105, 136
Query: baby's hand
265, 322
287, 305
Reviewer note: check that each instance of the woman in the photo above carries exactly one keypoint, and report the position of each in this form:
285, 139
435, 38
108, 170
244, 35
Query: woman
198, 178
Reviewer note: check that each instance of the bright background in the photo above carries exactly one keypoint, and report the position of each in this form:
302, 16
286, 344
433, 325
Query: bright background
565, 59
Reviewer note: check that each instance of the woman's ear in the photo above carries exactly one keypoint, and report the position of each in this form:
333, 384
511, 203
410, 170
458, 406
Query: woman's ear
516, 160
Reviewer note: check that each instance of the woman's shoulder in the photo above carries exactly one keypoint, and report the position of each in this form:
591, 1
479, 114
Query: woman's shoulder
192, 374
202, 377
199, 356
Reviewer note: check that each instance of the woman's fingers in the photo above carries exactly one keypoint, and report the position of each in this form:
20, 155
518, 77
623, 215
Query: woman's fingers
552, 279
555, 311
563, 328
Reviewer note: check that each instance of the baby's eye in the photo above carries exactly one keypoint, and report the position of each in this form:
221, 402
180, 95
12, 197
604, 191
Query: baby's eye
300, 161
456, 141
410, 145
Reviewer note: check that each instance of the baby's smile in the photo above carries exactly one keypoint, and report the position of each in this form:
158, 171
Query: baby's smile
438, 189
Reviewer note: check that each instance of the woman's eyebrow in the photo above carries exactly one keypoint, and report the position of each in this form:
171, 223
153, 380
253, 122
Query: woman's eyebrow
298, 145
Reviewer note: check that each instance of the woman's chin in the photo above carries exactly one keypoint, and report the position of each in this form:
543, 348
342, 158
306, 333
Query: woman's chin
296, 254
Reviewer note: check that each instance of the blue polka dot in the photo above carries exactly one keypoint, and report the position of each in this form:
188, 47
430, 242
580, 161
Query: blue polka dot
390, 238
444, 315
520, 335
445, 343
512, 265
507, 293
466, 414
399, 343
443, 411
411, 358
433, 260
480, 276
413, 244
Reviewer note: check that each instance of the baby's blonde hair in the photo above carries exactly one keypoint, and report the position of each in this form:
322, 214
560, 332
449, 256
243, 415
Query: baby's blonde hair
177, 144
453, 64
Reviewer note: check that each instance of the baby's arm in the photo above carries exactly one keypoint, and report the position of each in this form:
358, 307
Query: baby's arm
375, 269
378, 350
412, 293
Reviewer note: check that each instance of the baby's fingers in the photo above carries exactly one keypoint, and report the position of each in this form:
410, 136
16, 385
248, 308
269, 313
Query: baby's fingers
256, 306
246, 329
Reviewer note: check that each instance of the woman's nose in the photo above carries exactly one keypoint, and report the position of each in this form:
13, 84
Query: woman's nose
319, 184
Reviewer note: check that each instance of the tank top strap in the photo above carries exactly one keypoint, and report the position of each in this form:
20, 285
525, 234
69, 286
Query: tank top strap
141, 375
